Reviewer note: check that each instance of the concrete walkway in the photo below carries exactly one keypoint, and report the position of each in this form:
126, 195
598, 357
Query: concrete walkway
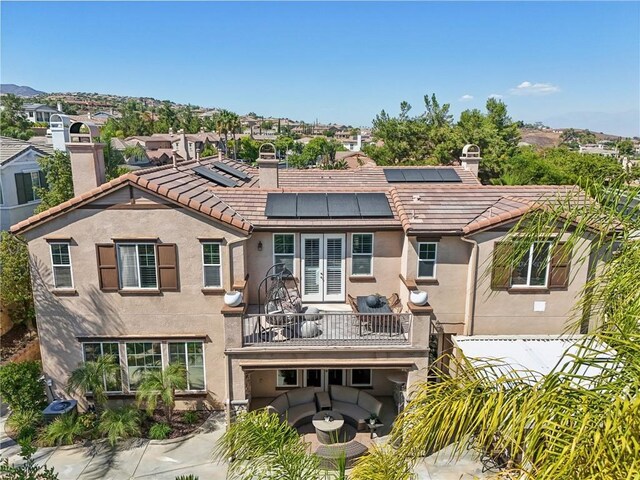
165, 460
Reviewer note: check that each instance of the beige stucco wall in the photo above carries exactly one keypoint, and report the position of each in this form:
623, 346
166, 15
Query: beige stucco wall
92, 312
263, 382
387, 255
509, 313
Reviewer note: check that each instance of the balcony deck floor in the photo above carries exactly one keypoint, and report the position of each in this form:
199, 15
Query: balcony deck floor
337, 325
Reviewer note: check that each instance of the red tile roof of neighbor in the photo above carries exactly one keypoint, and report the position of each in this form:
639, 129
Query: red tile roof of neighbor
460, 208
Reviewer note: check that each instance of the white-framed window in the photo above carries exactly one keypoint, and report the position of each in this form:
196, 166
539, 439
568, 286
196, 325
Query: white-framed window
191, 355
427, 255
362, 254
94, 350
284, 250
142, 357
212, 264
61, 265
533, 269
287, 378
361, 377
137, 265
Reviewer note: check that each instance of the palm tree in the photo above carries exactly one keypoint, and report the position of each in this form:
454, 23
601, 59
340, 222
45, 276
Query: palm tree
158, 386
571, 423
259, 445
93, 377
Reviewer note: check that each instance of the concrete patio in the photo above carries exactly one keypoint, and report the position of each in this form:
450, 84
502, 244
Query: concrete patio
164, 460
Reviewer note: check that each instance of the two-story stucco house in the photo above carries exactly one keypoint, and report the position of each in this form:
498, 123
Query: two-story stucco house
20, 178
139, 267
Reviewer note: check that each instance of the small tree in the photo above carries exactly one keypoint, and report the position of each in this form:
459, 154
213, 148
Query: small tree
158, 387
57, 171
15, 280
13, 121
28, 469
21, 387
93, 377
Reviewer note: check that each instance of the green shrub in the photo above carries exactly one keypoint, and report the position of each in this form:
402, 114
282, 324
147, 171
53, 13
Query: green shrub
159, 431
187, 477
120, 423
20, 386
25, 423
28, 469
190, 417
64, 430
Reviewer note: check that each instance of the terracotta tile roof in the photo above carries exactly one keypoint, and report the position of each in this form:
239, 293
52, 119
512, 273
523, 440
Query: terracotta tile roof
467, 208
459, 208
196, 197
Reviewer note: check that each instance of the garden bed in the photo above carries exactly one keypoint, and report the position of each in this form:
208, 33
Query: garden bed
179, 427
15, 340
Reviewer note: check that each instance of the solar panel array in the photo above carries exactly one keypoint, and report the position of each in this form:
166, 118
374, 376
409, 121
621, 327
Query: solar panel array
420, 175
234, 172
214, 177
327, 205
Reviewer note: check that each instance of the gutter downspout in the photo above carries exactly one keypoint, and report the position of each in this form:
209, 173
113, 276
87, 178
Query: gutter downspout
228, 358
472, 278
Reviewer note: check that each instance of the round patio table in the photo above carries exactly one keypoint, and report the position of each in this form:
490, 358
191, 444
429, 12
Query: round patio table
328, 431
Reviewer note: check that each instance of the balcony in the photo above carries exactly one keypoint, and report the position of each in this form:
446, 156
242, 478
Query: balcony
326, 329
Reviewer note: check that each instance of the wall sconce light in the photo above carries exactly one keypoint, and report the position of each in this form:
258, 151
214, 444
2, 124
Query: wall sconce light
259, 246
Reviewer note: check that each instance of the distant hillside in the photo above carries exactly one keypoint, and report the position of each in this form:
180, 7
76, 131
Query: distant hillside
19, 90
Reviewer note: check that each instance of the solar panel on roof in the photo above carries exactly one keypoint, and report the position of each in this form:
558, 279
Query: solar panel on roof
415, 175
330, 205
214, 177
232, 171
412, 175
449, 175
393, 175
312, 205
282, 205
431, 175
343, 205
374, 205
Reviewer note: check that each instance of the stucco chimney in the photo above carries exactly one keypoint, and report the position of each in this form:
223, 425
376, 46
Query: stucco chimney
268, 166
470, 158
183, 146
87, 157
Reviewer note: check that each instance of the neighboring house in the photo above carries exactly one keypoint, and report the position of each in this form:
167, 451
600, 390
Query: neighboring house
20, 176
38, 112
139, 267
355, 159
599, 149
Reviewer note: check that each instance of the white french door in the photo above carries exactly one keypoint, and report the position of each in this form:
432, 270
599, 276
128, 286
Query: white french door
323, 274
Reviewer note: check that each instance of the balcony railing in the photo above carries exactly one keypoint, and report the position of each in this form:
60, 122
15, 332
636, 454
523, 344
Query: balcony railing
326, 329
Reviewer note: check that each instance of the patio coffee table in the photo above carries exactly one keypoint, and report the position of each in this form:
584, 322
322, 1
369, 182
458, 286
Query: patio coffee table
328, 431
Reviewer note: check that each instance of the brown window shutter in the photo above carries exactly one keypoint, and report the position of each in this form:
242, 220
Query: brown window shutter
107, 267
560, 265
501, 268
168, 266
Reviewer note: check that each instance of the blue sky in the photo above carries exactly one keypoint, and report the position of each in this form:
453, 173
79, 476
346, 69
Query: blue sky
569, 64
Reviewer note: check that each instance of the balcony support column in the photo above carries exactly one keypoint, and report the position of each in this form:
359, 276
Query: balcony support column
235, 378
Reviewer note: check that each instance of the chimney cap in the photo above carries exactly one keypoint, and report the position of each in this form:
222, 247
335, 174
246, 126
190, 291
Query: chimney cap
470, 150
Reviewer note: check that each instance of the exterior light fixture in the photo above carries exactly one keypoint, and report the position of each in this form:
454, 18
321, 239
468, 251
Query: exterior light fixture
260, 246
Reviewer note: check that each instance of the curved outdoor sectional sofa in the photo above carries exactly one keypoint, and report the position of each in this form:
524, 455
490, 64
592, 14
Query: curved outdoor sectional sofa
298, 406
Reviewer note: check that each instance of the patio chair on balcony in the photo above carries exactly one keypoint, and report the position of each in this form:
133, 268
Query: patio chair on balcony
395, 304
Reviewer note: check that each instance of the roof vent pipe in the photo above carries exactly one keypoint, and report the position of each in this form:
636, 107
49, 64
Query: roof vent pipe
175, 160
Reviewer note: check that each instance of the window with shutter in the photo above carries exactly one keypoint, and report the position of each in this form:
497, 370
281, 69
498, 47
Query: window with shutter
107, 267
560, 265
501, 268
24, 187
168, 266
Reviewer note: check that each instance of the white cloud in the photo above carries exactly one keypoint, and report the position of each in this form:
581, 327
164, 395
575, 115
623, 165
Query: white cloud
528, 88
465, 98
497, 96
